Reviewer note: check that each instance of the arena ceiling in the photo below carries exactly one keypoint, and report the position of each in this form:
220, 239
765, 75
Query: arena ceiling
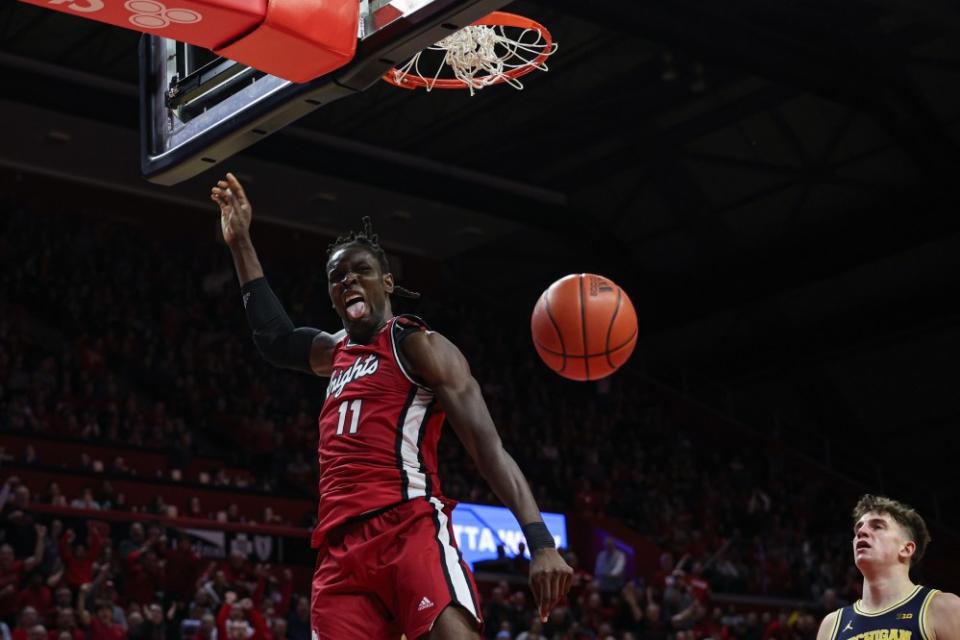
774, 183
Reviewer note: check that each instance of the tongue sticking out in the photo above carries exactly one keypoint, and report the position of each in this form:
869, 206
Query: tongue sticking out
357, 310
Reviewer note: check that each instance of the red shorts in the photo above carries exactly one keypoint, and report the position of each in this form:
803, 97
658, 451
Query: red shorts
393, 573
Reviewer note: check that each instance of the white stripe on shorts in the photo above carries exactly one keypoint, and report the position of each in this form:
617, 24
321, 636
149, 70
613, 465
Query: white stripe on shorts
451, 559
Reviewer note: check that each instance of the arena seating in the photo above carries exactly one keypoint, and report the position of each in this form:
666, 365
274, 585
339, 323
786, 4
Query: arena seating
133, 373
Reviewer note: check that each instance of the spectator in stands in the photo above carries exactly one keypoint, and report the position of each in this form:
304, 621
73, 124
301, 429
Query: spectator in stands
86, 501
135, 540
147, 626
239, 620
610, 570
207, 629
36, 594
54, 495
120, 503
62, 598
145, 575
26, 620
105, 495
194, 509
16, 518
101, 625
278, 629
534, 631
77, 559
12, 572
298, 622
105, 590
495, 611
182, 570
520, 565
30, 458
239, 571
66, 625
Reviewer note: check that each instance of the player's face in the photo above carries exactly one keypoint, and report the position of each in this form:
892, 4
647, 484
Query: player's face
879, 540
359, 291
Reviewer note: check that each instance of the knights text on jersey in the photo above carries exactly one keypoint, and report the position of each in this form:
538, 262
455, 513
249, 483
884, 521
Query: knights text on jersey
379, 430
905, 620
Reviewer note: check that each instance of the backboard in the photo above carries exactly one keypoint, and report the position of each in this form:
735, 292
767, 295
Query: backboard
198, 109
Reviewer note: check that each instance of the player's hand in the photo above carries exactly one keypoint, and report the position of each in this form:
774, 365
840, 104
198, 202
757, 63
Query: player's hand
235, 209
550, 578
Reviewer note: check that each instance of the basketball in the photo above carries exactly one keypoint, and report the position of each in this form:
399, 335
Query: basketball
584, 327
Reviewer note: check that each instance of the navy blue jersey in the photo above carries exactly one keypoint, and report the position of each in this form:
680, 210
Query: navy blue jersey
905, 620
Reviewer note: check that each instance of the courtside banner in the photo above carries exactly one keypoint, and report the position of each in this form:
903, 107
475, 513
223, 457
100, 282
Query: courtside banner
480, 528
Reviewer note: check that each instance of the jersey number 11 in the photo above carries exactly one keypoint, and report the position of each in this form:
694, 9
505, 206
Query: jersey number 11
354, 409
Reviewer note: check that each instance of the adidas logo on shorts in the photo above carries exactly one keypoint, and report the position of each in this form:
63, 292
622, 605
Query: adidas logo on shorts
426, 603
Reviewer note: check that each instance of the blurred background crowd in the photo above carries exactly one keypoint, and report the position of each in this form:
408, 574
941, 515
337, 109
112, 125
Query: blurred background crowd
115, 344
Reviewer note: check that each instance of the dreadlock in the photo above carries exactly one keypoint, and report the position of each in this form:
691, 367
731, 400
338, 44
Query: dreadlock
370, 241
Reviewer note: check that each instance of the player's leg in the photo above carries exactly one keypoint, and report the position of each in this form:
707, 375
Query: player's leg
454, 624
428, 586
339, 606
355, 615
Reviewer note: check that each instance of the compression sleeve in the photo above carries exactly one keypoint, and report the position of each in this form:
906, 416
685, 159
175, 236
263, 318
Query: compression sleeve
278, 341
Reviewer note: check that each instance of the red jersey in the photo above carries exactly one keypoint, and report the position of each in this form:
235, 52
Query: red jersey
379, 430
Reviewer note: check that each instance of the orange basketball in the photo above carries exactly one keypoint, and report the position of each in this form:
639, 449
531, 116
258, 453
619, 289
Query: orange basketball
584, 327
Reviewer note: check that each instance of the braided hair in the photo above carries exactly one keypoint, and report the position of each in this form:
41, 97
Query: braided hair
370, 241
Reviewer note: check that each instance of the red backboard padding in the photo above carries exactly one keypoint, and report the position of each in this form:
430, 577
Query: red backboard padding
300, 39
297, 40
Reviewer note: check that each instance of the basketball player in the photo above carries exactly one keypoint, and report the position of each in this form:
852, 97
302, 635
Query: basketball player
387, 557
888, 538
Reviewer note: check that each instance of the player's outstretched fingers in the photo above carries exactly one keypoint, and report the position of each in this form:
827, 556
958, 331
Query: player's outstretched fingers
236, 187
547, 596
558, 591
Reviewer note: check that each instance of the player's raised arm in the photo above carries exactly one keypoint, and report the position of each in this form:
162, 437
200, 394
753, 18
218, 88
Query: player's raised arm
279, 342
943, 617
443, 368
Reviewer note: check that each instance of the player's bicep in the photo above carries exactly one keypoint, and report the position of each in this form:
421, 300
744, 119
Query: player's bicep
826, 630
321, 351
444, 369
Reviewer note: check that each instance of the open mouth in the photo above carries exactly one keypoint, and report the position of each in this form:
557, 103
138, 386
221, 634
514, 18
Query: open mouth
354, 305
863, 544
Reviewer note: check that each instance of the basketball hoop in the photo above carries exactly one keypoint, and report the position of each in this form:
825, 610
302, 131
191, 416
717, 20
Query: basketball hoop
481, 55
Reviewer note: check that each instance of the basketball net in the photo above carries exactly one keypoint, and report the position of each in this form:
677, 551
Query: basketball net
481, 55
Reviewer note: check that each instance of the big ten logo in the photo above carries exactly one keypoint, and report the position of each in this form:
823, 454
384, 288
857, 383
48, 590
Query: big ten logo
150, 14
81, 6
147, 14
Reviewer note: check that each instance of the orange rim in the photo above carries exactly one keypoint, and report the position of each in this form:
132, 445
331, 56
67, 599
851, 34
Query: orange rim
495, 19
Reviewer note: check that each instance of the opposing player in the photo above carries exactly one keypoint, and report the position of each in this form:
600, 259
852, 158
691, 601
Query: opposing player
387, 557
888, 539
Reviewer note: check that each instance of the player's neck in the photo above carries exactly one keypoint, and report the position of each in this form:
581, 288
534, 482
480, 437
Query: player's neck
885, 587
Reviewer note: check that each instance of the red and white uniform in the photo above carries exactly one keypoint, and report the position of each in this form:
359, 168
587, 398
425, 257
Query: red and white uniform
387, 556
378, 431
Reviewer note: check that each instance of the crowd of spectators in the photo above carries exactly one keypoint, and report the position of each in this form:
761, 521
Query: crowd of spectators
58, 583
111, 336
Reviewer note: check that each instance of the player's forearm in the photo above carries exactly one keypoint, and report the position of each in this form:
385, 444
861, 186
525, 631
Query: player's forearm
279, 342
245, 261
506, 479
